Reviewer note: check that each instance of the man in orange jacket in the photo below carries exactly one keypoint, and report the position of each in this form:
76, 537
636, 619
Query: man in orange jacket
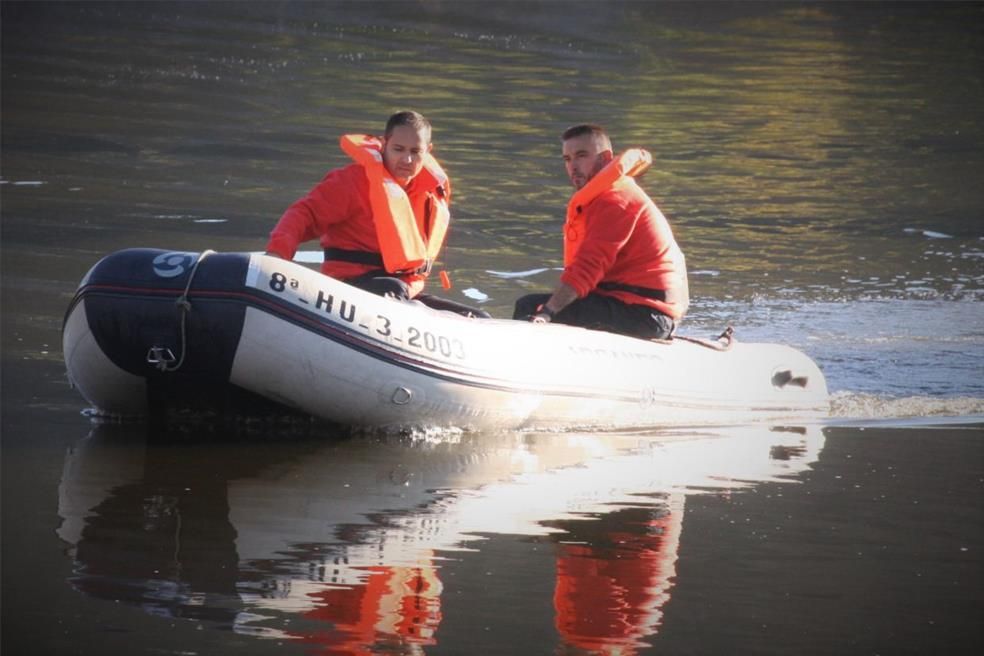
623, 270
382, 219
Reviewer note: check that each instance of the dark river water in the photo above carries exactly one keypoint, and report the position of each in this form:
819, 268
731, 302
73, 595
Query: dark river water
822, 167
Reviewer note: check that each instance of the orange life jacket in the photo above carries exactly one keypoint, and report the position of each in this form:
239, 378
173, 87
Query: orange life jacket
410, 231
629, 164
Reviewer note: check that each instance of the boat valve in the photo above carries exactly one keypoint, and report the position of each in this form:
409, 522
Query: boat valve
402, 396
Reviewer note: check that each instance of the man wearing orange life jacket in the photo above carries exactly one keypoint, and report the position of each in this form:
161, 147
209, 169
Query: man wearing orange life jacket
623, 270
382, 219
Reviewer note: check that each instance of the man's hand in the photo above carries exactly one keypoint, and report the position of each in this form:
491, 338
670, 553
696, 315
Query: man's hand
543, 314
563, 296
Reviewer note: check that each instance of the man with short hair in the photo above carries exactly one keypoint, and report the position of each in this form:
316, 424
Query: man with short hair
382, 219
623, 270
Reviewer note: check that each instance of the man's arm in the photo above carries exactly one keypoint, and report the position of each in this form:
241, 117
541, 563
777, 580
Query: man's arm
309, 217
563, 296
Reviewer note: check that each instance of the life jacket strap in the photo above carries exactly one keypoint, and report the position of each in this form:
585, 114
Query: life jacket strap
370, 259
645, 292
356, 257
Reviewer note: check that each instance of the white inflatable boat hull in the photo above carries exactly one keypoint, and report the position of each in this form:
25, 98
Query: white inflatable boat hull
292, 335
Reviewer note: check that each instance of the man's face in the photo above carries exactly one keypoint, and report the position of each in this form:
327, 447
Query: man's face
584, 156
403, 152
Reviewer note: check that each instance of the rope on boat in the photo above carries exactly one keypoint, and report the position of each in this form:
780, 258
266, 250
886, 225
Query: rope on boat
722, 342
185, 305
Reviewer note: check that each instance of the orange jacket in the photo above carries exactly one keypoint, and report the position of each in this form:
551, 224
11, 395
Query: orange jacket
617, 242
360, 208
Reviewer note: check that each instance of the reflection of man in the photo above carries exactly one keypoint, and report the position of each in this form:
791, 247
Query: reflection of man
612, 585
397, 605
613, 576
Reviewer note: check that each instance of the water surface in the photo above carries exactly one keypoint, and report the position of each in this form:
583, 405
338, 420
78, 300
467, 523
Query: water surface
820, 165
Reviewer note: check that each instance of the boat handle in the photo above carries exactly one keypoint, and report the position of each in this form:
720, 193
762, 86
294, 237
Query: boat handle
160, 356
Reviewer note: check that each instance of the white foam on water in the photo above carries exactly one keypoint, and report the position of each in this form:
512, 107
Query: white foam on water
856, 405
518, 274
475, 294
932, 234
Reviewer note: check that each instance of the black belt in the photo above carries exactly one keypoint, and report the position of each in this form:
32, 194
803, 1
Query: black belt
356, 257
370, 259
645, 292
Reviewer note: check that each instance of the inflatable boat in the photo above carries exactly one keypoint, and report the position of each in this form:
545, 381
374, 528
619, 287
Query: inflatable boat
145, 319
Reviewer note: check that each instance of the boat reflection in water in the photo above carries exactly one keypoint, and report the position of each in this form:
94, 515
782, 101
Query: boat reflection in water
340, 543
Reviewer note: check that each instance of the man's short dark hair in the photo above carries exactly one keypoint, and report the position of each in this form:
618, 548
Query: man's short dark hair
410, 119
582, 130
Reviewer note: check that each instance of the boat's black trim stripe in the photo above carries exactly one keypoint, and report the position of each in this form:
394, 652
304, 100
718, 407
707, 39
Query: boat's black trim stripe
329, 329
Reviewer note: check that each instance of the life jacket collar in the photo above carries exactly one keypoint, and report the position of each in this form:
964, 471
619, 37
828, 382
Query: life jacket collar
630, 164
411, 230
